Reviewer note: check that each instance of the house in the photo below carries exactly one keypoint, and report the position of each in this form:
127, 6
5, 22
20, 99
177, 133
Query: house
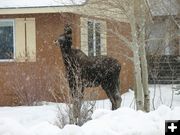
164, 48
166, 18
28, 57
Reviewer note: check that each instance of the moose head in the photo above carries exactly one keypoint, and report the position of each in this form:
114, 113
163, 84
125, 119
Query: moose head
65, 40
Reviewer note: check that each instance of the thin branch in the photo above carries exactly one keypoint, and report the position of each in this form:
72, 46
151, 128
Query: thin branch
121, 37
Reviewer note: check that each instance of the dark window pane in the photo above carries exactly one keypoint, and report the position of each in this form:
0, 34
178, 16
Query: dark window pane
98, 38
6, 42
90, 39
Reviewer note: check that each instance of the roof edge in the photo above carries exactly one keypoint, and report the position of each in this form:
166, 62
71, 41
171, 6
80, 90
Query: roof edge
35, 7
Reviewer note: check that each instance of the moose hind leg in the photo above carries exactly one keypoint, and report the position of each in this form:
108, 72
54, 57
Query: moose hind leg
117, 99
111, 87
117, 95
113, 96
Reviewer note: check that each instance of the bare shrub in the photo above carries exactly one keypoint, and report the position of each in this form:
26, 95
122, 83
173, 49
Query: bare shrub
29, 82
76, 110
65, 114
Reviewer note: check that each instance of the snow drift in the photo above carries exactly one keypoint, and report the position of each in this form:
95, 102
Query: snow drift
40, 120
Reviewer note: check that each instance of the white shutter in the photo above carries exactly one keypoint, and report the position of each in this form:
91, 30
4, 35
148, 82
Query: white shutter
31, 39
20, 51
103, 37
84, 35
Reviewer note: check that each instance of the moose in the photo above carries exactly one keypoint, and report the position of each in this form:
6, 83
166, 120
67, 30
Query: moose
85, 71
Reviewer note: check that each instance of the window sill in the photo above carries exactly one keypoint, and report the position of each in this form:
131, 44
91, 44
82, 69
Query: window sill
7, 60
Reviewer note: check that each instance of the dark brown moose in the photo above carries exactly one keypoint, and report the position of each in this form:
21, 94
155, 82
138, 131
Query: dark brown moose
84, 71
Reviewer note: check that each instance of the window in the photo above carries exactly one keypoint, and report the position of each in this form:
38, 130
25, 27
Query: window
18, 39
93, 37
6, 39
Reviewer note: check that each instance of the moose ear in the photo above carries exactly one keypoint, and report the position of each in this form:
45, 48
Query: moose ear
67, 29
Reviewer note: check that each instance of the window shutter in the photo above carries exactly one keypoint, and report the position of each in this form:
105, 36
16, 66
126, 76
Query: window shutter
20, 54
31, 39
84, 35
103, 37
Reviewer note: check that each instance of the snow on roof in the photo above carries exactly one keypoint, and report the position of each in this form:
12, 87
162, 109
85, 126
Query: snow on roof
164, 7
38, 3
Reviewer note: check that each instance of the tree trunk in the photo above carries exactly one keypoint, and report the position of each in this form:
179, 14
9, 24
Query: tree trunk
144, 71
139, 96
144, 68
141, 18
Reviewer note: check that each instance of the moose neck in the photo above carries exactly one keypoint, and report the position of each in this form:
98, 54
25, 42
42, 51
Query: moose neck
67, 56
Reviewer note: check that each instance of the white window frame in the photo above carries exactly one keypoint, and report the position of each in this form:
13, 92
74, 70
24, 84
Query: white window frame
94, 35
84, 35
14, 49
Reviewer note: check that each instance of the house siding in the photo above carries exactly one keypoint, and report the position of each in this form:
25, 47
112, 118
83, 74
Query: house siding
48, 56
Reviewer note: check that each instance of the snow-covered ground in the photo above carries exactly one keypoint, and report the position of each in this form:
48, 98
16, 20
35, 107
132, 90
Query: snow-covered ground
40, 120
